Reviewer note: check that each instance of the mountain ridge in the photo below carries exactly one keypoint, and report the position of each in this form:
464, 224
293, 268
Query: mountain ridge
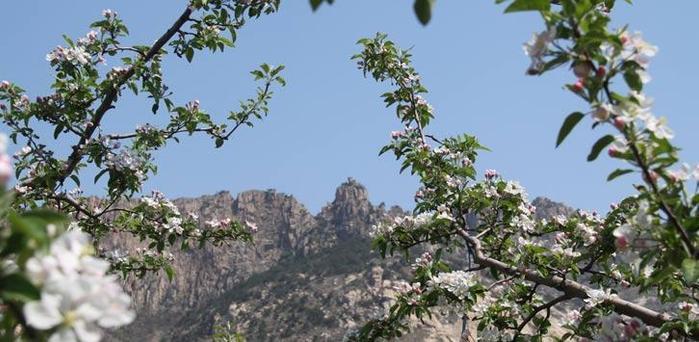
305, 277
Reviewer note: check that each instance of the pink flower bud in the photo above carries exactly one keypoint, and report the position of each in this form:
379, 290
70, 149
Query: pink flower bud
396, 134
601, 71
490, 174
466, 162
653, 177
621, 242
578, 86
619, 123
4, 85
631, 328
613, 152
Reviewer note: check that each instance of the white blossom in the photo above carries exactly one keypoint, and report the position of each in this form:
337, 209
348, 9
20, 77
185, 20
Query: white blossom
514, 188
456, 282
572, 318
77, 295
659, 127
537, 47
597, 297
637, 49
423, 261
109, 14
588, 233
75, 55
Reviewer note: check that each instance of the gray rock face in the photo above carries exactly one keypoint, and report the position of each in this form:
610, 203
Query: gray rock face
305, 277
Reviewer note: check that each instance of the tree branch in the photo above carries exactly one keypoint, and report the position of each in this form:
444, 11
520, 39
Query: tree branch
538, 309
568, 287
111, 96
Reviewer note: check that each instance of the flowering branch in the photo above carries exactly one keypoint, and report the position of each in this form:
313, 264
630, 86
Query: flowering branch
585, 256
571, 289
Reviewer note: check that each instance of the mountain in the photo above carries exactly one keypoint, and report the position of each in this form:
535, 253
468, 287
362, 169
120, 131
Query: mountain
305, 278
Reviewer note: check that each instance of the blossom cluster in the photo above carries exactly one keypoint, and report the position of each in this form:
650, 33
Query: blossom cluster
458, 283
408, 222
76, 55
78, 296
172, 219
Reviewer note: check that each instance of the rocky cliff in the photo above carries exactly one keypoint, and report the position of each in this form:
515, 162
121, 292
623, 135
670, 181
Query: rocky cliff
305, 278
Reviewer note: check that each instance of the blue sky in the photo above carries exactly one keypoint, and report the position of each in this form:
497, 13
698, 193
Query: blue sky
329, 123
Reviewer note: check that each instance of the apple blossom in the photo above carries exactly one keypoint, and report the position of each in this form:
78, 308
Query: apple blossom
490, 174
457, 283
603, 112
659, 128
537, 47
598, 296
77, 295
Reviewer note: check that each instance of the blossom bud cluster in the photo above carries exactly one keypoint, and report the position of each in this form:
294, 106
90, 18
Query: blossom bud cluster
423, 261
145, 129
192, 106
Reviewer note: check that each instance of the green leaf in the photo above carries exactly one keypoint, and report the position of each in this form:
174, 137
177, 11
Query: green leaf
57, 131
170, 272
29, 227
75, 179
568, 124
315, 4
617, 173
690, 268
423, 10
189, 54
633, 80
599, 146
528, 5
17, 287
99, 175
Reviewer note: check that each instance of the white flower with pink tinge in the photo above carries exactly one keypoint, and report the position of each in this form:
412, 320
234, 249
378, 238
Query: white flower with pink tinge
597, 297
537, 47
456, 282
78, 297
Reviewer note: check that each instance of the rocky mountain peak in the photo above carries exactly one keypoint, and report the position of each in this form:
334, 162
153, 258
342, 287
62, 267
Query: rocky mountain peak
351, 209
548, 208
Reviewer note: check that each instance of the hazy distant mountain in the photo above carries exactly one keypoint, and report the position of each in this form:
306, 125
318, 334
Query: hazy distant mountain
305, 278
